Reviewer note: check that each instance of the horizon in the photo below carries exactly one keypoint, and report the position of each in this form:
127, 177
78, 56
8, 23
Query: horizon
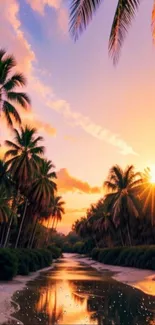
92, 115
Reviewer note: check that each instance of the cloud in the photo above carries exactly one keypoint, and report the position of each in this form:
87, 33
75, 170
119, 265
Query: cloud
13, 38
40, 5
74, 211
70, 138
68, 183
32, 120
62, 13
63, 20
90, 127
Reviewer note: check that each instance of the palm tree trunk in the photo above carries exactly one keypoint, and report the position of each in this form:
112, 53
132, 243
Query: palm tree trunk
8, 231
129, 234
34, 232
121, 235
21, 224
2, 234
52, 228
15, 200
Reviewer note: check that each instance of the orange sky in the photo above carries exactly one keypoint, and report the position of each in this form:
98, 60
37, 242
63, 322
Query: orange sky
91, 114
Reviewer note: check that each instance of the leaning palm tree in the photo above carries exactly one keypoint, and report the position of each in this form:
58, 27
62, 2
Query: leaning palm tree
121, 197
82, 12
22, 159
10, 96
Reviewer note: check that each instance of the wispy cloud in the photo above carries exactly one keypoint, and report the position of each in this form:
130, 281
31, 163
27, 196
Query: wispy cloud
12, 35
90, 127
33, 120
62, 13
68, 183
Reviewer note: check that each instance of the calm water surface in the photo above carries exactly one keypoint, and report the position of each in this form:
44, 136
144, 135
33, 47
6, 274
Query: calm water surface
73, 293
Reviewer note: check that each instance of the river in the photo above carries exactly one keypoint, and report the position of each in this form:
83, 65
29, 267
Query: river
74, 293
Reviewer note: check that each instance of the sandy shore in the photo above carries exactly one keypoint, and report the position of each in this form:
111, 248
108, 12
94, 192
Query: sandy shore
7, 289
143, 280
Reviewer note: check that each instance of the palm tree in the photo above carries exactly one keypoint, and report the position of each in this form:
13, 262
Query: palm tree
42, 191
57, 209
5, 211
122, 200
43, 186
147, 195
81, 13
4, 207
9, 84
6, 182
23, 159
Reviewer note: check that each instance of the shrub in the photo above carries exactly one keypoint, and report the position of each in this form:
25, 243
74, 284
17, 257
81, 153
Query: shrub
23, 261
8, 264
95, 253
139, 257
56, 252
78, 247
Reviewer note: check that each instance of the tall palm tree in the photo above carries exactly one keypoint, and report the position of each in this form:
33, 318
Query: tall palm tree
122, 200
23, 159
42, 191
82, 12
5, 210
6, 181
57, 209
10, 96
43, 186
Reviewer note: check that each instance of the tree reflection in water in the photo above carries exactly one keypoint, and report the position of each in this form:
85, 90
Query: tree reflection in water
74, 294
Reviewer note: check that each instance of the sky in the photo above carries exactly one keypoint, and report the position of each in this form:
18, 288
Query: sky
91, 113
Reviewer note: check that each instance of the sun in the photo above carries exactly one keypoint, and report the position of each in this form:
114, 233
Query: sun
152, 175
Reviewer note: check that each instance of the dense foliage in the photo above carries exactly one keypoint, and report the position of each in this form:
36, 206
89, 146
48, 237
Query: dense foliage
125, 216
30, 207
140, 257
24, 261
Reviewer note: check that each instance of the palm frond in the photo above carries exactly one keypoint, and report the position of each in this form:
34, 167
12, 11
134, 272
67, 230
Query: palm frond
12, 145
81, 13
2, 53
8, 110
6, 66
16, 80
20, 98
124, 15
153, 23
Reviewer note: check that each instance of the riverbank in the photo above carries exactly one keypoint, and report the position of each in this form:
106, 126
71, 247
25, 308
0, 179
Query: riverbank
7, 289
143, 280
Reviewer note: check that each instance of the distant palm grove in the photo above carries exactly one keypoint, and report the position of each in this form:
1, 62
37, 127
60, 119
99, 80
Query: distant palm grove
28, 190
126, 214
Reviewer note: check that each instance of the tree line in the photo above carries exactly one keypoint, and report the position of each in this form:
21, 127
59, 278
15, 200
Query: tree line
125, 216
28, 189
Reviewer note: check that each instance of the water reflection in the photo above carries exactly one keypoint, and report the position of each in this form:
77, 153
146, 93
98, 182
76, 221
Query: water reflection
61, 301
75, 294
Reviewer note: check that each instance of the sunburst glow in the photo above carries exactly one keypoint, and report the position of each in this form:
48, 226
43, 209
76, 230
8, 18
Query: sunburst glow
152, 174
